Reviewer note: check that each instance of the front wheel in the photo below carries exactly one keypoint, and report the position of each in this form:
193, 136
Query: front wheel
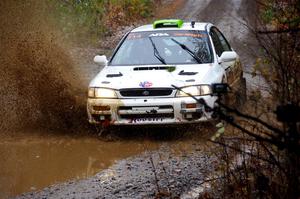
241, 94
237, 97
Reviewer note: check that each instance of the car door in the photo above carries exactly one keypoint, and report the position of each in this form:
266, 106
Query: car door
232, 69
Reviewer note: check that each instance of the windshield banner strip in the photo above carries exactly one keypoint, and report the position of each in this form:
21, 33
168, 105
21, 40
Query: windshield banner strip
194, 34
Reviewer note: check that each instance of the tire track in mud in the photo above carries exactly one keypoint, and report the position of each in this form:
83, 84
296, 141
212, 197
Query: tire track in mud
231, 16
191, 9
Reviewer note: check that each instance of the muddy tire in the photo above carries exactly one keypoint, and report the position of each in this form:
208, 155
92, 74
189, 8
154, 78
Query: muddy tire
104, 131
241, 94
237, 97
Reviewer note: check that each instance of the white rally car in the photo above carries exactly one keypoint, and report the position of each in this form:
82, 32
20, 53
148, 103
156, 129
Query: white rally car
139, 84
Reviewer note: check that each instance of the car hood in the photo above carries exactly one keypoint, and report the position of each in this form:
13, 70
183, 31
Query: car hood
118, 77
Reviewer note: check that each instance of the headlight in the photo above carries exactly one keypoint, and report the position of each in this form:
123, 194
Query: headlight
205, 90
102, 93
91, 92
194, 90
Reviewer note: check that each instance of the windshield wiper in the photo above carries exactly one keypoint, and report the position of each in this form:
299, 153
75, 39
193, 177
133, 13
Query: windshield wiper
156, 53
184, 47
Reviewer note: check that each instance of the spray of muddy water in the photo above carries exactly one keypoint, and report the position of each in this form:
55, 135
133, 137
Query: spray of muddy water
39, 86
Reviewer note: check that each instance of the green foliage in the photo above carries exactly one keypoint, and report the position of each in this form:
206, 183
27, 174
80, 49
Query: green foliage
220, 131
281, 13
95, 18
268, 15
279, 40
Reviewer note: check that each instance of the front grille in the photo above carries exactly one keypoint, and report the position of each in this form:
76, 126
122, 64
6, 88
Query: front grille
163, 107
142, 92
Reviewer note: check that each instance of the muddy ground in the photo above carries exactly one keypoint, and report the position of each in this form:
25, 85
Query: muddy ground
135, 163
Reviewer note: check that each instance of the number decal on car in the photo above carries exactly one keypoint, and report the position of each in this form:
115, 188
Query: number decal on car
142, 120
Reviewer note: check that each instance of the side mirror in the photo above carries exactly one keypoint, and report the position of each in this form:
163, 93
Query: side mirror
219, 88
100, 60
228, 56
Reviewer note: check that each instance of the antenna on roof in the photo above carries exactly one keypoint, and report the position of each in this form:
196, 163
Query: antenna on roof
193, 24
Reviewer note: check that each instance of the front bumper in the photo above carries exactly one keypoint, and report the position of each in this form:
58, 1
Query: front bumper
144, 111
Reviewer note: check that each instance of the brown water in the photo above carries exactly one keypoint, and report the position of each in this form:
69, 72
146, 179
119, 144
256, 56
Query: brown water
34, 163
31, 161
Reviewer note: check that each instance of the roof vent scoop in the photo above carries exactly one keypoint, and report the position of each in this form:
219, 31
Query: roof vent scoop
168, 23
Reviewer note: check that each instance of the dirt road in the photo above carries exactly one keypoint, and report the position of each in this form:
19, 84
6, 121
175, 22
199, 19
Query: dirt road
176, 165
229, 16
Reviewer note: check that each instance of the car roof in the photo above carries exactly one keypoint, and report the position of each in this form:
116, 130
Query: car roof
185, 26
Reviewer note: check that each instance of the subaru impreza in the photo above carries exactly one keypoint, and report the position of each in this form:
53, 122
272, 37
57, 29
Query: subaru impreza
155, 69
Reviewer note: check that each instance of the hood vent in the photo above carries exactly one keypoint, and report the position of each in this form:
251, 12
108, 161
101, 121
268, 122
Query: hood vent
114, 75
152, 68
187, 73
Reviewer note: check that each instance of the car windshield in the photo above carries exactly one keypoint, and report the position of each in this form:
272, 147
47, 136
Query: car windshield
163, 47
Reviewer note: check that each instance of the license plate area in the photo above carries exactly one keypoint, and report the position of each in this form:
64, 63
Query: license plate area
144, 109
147, 113
147, 120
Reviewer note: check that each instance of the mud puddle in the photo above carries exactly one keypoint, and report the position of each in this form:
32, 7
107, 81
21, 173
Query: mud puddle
32, 164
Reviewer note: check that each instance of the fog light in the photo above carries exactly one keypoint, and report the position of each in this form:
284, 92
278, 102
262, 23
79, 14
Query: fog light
191, 105
101, 118
101, 108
